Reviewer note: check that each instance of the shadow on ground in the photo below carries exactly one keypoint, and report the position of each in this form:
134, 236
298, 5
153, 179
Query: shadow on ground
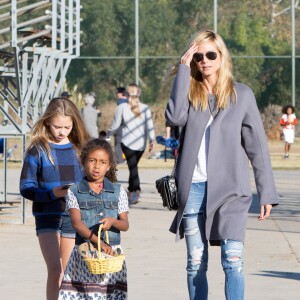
277, 274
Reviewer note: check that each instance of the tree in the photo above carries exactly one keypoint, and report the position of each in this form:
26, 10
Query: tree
252, 30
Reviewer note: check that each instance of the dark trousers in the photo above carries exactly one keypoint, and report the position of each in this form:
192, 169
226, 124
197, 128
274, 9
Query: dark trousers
133, 157
118, 149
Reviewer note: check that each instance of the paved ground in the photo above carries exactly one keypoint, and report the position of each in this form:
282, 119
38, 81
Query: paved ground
156, 264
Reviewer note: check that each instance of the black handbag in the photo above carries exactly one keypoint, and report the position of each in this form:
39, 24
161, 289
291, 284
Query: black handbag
167, 188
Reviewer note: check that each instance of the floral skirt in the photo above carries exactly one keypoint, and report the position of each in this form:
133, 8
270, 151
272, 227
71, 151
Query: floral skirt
79, 283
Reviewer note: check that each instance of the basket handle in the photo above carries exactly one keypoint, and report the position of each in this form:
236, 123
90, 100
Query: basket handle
99, 235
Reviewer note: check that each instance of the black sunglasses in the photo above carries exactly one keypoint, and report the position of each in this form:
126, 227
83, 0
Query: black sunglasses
211, 55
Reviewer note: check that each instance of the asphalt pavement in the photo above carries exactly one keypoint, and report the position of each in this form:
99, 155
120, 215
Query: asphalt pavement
156, 264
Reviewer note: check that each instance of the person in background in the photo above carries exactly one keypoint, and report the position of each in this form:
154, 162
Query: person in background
90, 115
288, 122
66, 94
122, 97
102, 135
221, 131
136, 123
51, 162
106, 202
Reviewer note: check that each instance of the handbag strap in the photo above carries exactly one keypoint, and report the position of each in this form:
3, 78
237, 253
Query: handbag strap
174, 167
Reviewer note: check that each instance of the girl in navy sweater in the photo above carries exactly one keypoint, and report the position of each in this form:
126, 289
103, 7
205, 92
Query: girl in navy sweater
51, 162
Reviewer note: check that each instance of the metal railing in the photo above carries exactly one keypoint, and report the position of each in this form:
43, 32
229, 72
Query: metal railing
37, 43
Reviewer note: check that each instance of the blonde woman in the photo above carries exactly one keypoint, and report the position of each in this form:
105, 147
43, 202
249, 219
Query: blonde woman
136, 122
52, 161
221, 131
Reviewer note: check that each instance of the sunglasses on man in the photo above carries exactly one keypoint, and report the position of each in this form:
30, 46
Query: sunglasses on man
211, 55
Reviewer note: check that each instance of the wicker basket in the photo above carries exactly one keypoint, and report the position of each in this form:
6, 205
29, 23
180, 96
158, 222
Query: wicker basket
104, 264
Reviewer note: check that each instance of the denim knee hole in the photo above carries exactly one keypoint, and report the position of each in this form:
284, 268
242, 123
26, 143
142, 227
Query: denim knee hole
233, 260
192, 231
196, 261
196, 255
232, 257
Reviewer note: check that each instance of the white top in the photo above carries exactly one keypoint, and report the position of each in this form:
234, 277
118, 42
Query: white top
290, 118
200, 171
135, 130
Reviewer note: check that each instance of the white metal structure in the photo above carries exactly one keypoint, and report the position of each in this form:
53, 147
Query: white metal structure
38, 40
38, 44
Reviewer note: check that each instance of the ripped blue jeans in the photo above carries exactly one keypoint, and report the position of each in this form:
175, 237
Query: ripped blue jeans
197, 251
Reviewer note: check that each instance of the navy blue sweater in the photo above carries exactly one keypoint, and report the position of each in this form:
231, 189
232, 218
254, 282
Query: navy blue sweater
39, 176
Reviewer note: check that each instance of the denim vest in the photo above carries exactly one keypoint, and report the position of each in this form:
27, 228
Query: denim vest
94, 207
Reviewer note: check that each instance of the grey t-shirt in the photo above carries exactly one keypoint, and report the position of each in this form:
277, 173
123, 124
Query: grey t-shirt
90, 117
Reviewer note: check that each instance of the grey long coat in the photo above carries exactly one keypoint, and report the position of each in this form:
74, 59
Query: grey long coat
236, 136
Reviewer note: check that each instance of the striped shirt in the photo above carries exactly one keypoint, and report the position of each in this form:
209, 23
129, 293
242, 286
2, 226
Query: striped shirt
135, 130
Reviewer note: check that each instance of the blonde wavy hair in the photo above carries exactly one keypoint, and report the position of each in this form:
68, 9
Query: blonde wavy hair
224, 87
134, 93
41, 134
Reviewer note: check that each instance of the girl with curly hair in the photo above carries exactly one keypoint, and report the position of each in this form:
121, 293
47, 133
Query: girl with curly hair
94, 200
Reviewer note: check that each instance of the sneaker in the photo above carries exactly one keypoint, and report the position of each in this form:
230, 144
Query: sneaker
286, 156
133, 197
121, 162
137, 196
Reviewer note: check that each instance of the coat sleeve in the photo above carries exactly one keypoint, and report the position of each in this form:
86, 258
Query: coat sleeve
282, 121
29, 186
117, 120
150, 126
178, 105
255, 144
295, 121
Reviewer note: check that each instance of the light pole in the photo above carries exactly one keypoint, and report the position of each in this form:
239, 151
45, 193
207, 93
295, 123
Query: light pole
215, 15
137, 42
293, 52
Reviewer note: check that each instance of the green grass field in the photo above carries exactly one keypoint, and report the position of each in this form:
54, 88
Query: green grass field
275, 147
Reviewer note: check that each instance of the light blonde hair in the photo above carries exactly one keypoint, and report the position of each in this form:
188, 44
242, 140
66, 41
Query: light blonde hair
41, 134
224, 87
134, 93
89, 98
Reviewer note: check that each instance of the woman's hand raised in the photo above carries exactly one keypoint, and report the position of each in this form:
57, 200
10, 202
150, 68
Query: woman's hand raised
188, 55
